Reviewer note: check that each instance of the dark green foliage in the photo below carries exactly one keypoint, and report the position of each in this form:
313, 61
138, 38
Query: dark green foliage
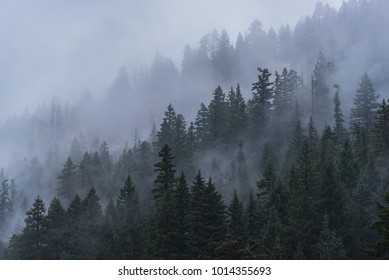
127, 222
56, 219
217, 117
236, 225
380, 248
260, 104
207, 220
163, 220
330, 246
181, 214
236, 113
31, 243
315, 193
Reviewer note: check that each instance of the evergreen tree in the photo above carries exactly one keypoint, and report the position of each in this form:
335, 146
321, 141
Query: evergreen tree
56, 216
6, 205
331, 192
330, 246
207, 219
90, 222
129, 225
163, 222
381, 131
380, 248
365, 105
339, 129
33, 238
217, 118
236, 225
321, 101
167, 131
182, 211
236, 113
259, 106
202, 125
67, 180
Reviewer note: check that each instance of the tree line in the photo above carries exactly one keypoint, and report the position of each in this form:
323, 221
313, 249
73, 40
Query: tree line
293, 187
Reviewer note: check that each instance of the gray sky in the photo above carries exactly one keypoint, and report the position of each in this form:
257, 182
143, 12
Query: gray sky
56, 47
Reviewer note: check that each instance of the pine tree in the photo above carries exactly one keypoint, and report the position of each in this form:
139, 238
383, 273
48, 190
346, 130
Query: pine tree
321, 101
302, 205
207, 219
217, 118
380, 248
91, 219
163, 220
67, 180
182, 211
381, 131
330, 246
236, 225
331, 192
236, 115
129, 225
339, 129
259, 106
167, 131
6, 205
365, 105
56, 216
33, 237
202, 126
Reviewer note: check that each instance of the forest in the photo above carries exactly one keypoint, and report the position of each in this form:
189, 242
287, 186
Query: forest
273, 164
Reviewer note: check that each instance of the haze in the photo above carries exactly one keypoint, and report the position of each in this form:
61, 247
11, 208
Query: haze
57, 48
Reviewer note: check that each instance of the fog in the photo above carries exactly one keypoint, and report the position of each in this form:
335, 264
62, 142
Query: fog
57, 48
93, 80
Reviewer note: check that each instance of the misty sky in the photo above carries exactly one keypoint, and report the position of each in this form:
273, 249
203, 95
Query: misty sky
54, 47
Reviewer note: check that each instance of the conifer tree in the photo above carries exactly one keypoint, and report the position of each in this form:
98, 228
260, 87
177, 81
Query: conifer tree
67, 180
202, 126
217, 118
321, 101
339, 129
381, 131
163, 222
129, 229
236, 222
260, 105
330, 245
33, 238
56, 216
6, 205
182, 211
380, 248
365, 105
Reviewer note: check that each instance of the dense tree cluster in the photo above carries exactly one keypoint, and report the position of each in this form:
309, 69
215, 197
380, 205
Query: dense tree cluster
269, 168
313, 200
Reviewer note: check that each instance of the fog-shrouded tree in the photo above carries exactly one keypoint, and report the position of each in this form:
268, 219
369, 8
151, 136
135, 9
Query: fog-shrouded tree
259, 106
67, 180
365, 105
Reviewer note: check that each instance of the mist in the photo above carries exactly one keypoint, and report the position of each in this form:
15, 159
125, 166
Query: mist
92, 92
53, 48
